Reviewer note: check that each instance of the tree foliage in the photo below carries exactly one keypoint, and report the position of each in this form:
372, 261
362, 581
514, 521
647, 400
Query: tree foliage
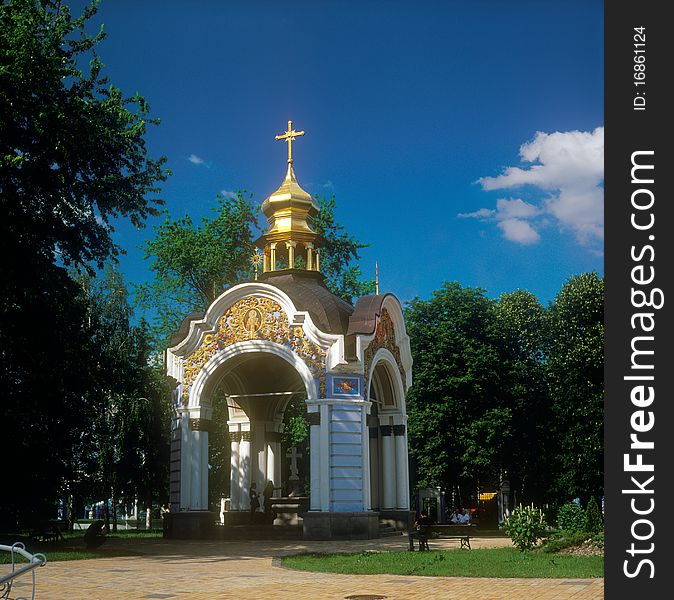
72, 151
508, 389
72, 159
575, 359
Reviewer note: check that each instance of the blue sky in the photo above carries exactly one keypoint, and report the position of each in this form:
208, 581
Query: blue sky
422, 118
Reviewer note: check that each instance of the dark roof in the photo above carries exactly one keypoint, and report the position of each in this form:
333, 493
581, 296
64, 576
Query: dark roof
184, 328
364, 317
308, 292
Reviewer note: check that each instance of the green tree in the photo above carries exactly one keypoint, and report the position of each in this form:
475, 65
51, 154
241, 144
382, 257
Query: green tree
575, 376
343, 278
132, 421
520, 322
72, 160
459, 417
193, 264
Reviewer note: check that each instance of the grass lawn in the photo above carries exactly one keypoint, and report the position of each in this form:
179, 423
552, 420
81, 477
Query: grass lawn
483, 562
72, 547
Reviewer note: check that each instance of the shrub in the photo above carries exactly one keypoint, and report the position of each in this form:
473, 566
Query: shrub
525, 526
571, 517
563, 540
593, 520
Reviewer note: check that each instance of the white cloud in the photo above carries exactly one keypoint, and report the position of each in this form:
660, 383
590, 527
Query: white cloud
195, 160
569, 169
519, 231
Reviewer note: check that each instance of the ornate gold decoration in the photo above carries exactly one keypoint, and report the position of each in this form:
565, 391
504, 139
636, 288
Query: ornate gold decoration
384, 337
290, 240
256, 260
255, 318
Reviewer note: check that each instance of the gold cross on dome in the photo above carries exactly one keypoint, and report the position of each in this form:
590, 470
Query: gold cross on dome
289, 136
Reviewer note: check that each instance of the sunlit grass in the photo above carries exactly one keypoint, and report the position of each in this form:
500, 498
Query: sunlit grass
484, 562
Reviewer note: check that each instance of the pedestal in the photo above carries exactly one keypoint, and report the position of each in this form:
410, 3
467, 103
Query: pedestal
189, 525
340, 525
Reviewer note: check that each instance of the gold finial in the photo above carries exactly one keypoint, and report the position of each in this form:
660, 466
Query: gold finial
376, 277
289, 136
256, 259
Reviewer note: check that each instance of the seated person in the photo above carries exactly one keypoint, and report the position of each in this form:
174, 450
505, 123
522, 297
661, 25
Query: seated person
455, 516
420, 528
464, 518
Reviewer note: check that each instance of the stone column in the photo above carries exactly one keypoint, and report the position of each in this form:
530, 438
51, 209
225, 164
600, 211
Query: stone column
388, 500
234, 481
185, 462
402, 487
314, 419
244, 471
199, 464
374, 466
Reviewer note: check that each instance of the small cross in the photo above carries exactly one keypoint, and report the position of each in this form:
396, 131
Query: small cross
289, 136
293, 455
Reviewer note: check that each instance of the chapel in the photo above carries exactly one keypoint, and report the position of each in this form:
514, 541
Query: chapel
282, 337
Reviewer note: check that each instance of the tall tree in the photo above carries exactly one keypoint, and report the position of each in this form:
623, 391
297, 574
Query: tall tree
575, 349
72, 159
459, 422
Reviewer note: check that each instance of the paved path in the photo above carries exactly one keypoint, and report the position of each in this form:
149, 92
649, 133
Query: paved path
199, 570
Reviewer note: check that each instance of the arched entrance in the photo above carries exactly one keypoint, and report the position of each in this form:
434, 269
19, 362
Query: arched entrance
259, 378
387, 436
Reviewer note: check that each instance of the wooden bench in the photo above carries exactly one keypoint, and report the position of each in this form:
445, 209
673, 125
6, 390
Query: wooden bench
459, 532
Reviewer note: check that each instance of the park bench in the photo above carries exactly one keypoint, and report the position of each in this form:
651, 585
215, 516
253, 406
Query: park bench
48, 532
458, 532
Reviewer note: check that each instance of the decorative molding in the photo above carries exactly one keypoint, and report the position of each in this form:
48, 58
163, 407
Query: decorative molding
246, 436
386, 430
314, 418
398, 430
235, 436
200, 424
384, 337
255, 318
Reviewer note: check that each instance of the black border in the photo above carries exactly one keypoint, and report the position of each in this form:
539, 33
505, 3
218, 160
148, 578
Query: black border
627, 131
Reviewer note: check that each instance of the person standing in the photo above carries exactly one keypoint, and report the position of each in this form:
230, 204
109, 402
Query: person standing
254, 501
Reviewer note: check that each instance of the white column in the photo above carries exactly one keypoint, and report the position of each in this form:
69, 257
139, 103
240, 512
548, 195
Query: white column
277, 466
258, 451
195, 504
271, 463
374, 468
234, 482
324, 449
244, 471
185, 463
203, 505
402, 487
365, 437
315, 466
388, 500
